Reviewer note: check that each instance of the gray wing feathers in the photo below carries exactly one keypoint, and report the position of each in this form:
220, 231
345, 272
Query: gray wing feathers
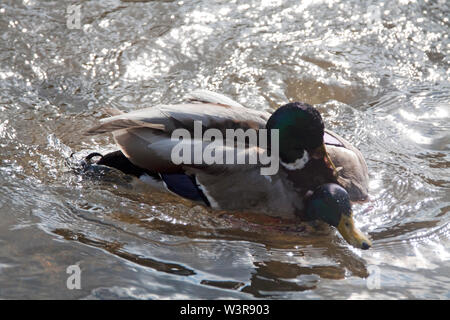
120, 124
171, 117
145, 135
205, 96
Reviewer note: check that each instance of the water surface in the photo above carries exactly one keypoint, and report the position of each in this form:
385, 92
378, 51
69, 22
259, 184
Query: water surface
377, 70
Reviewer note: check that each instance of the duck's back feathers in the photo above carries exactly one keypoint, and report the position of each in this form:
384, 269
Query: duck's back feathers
212, 109
205, 96
147, 133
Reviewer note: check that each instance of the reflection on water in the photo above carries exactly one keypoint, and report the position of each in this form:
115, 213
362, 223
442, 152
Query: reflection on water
379, 74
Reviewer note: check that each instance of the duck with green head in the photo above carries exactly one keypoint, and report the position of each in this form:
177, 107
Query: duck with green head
320, 172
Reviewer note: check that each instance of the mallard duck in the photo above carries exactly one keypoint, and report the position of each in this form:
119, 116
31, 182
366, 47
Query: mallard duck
318, 176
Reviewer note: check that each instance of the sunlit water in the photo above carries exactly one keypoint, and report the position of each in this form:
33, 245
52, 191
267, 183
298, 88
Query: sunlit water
377, 71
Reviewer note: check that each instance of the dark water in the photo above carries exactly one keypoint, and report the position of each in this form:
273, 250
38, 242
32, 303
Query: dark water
377, 70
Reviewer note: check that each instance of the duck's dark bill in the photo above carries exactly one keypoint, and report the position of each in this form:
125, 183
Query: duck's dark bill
352, 234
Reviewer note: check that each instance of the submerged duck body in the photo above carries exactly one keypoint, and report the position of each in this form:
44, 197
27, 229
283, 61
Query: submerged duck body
319, 172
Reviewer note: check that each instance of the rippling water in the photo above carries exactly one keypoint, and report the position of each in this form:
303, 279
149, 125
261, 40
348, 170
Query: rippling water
377, 70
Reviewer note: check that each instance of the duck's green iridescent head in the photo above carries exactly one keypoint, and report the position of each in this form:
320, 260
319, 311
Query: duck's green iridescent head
331, 203
301, 131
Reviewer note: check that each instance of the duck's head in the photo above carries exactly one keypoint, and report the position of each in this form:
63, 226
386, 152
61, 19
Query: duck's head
331, 203
301, 131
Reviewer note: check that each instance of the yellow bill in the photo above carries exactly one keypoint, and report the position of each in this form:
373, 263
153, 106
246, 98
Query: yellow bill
351, 234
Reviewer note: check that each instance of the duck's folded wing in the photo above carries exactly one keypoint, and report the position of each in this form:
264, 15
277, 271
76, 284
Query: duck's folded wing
170, 117
205, 96
145, 136
354, 175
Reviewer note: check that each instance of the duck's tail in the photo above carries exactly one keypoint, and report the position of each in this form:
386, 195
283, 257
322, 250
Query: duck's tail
179, 183
118, 161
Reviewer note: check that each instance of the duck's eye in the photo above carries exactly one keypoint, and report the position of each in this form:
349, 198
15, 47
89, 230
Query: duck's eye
347, 225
